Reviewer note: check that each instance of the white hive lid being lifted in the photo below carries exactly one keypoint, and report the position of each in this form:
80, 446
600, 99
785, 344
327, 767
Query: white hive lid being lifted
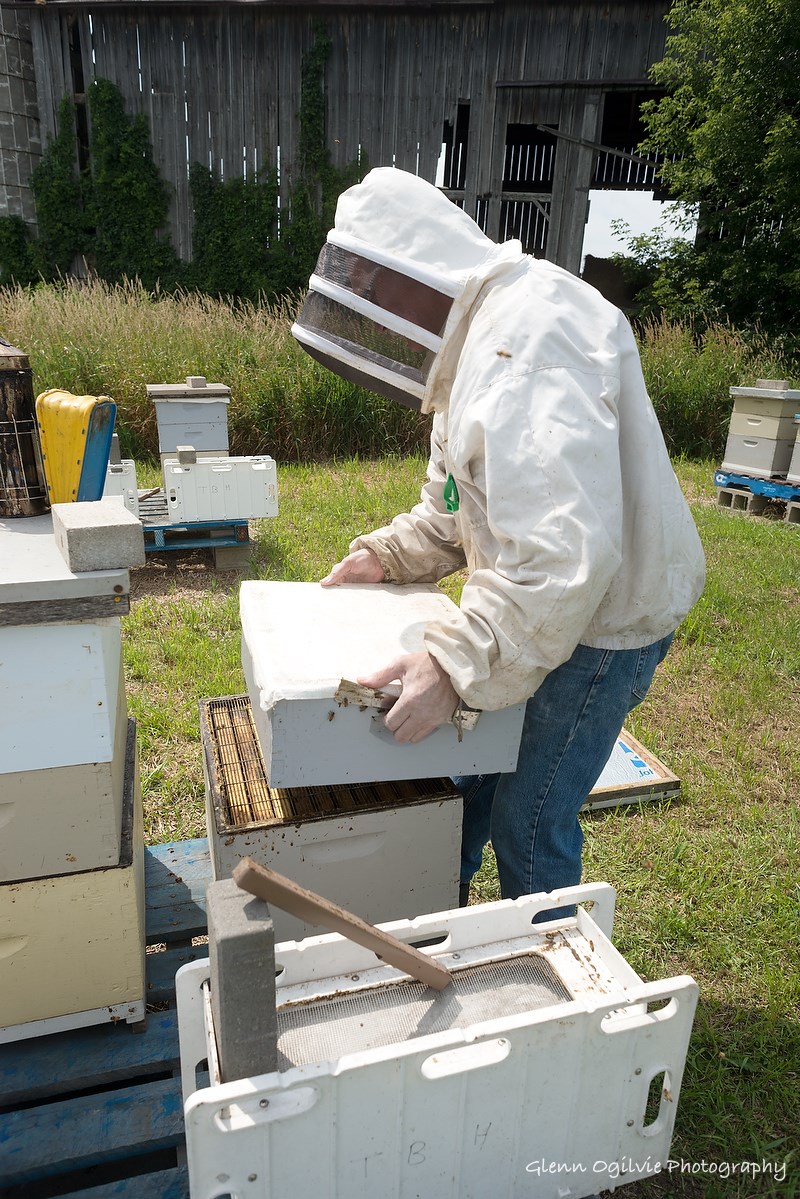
304, 638
299, 640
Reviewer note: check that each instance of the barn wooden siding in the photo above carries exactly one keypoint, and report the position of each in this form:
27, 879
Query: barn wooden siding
517, 92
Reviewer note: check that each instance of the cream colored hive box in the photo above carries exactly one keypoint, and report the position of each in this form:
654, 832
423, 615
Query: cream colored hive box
221, 489
779, 402
299, 640
545, 1048
64, 819
72, 947
382, 850
749, 424
59, 694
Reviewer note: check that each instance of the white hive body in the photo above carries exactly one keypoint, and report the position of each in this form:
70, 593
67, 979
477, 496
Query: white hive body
547, 1048
299, 640
382, 850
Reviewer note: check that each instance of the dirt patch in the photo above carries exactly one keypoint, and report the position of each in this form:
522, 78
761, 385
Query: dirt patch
181, 574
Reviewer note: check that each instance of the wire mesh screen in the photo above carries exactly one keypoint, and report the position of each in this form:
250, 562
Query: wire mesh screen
242, 793
17, 450
328, 1028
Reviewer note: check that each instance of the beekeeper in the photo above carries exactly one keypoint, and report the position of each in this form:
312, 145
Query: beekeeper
548, 479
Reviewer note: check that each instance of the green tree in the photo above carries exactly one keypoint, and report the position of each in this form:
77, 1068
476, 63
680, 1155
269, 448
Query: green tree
127, 200
57, 191
728, 134
317, 182
234, 230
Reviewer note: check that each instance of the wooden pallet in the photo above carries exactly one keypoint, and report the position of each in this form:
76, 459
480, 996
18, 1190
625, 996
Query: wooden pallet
758, 497
97, 1112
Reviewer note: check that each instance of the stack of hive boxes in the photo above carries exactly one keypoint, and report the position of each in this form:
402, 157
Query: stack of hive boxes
762, 439
201, 481
315, 787
71, 848
193, 413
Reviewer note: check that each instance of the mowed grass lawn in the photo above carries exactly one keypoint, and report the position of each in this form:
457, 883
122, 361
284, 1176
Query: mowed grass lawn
706, 885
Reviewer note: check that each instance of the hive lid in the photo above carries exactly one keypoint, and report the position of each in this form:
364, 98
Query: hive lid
303, 639
194, 388
768, 389
33, 574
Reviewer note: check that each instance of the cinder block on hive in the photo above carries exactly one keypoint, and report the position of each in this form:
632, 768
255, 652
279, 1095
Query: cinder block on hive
99, 535
241, 944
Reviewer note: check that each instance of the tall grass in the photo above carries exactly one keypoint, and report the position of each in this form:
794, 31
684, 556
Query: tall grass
688, 376
113, 340
100, 339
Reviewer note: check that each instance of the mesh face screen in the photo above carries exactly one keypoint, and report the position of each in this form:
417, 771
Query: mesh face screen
388, 289
329, 1028
364, 337
363, 378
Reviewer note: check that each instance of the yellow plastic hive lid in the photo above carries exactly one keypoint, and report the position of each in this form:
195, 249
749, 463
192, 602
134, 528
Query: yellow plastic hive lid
65, 422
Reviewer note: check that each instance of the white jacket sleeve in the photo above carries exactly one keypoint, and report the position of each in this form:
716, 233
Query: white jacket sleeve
536, 460
422, 545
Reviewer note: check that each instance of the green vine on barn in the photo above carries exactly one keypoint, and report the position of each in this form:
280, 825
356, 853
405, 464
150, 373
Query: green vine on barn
114, 215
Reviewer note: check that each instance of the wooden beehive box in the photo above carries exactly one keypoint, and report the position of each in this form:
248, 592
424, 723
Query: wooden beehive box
299, 640
383, 850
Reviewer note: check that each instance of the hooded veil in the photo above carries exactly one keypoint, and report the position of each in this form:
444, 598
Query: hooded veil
389, 302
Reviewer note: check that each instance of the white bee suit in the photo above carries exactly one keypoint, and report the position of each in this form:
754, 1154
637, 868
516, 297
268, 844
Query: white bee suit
569, 518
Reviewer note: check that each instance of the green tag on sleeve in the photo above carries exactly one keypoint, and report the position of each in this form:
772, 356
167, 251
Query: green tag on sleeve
450, 494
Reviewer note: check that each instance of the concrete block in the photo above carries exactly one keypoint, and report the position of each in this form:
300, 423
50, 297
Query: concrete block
738, 500
100, 535
241, 944
233, 557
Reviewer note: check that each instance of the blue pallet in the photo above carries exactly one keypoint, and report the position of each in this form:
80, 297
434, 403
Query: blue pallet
97, 1112
773, 489
199, 535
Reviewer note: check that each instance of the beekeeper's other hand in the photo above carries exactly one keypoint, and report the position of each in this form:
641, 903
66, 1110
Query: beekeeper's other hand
362, 566
427, 698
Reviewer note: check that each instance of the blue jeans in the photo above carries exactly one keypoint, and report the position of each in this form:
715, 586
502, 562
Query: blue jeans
570, 728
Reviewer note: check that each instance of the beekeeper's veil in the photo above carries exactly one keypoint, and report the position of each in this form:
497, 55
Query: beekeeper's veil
390, 300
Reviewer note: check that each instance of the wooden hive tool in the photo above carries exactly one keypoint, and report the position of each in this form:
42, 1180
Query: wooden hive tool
291, 897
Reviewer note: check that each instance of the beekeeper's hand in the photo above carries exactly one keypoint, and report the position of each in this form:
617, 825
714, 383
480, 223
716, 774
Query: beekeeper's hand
362, 566
427, 698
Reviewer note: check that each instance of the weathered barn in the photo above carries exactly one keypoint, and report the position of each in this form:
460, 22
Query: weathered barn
516, 109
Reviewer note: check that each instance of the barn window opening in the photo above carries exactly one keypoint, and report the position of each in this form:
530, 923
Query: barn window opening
527, 220
528, 168
451, 173
623, 130
530, 154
